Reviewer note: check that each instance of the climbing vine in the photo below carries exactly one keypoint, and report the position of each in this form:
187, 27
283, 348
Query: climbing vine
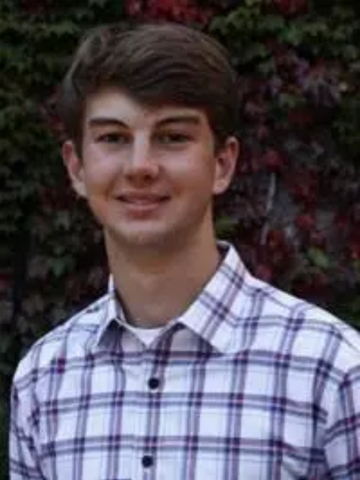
294, 207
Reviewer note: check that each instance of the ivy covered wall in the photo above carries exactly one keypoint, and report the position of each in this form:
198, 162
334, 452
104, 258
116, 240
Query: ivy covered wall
294, 207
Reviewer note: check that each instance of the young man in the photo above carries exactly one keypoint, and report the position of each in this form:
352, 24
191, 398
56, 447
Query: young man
189, 368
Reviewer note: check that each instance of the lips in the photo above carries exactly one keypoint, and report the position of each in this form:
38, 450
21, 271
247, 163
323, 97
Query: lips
142, 206
141, 199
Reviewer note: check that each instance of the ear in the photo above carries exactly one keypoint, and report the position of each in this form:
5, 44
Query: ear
74, 167
226, 159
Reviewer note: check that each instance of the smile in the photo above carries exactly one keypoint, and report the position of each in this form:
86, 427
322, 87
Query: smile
140, 207
142, 200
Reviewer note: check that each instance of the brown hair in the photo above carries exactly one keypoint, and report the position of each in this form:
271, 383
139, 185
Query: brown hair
155, 64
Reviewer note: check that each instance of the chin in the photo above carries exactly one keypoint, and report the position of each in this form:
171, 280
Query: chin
141, 239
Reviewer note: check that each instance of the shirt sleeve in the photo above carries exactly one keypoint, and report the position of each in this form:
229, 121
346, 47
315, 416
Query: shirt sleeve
23, 459
342, 441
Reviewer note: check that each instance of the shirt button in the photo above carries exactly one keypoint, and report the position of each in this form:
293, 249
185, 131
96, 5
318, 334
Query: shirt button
153, 383
147, 461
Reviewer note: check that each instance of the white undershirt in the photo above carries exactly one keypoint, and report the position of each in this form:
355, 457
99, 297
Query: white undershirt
146, 335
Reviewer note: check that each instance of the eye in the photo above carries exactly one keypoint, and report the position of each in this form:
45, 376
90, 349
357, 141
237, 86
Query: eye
173, 138
113, 137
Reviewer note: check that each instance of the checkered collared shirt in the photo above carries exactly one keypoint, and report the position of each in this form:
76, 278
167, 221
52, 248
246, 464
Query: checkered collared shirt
248, 384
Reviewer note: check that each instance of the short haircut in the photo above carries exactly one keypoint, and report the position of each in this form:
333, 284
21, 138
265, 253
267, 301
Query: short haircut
155, 64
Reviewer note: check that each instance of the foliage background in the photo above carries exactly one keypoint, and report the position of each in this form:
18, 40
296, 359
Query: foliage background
293, 210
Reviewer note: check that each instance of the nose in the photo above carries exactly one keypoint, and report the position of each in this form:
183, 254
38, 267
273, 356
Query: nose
141, 163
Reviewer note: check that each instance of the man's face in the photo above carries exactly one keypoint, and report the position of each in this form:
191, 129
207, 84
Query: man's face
149, 175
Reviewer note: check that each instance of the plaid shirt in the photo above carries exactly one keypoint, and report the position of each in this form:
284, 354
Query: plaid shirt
249, 383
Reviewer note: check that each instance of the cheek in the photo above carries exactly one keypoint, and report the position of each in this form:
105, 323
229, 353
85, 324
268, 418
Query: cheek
99, 173
199, 176
196, 167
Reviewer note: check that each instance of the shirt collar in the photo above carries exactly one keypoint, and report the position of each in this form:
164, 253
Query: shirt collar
213, 316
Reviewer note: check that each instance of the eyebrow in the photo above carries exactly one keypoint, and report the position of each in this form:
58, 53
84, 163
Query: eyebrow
190, 119
106, 121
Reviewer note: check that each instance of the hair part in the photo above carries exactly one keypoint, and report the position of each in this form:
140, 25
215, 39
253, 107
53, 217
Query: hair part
156, 64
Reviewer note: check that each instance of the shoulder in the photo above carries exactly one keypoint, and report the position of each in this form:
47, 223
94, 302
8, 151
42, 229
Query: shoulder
302, 328
67, 341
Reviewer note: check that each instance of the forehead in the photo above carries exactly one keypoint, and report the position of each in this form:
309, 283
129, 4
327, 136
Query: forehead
115, 104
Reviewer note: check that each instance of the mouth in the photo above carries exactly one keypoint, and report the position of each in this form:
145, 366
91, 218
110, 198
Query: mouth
142, 200
141, 206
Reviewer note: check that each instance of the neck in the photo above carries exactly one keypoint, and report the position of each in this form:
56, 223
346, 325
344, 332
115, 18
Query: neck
157, 287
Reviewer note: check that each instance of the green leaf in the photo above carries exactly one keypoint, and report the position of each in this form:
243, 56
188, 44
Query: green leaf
225, 226
319, 258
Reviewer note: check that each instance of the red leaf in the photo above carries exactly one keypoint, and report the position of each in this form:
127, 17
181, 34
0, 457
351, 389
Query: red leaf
5, 282
300, 117
317, 239
263, 272
290, 7
179, 11
355, 251
273, 160
305, 222
275, 239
